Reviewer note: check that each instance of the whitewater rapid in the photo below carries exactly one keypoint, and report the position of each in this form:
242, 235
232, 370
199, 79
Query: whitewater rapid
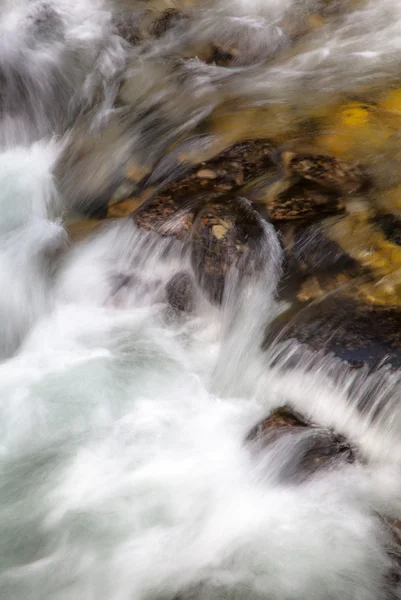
124, 473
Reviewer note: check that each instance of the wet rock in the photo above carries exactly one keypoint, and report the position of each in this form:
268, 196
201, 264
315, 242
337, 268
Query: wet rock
327, 171
300, 21
225, 235
171, 209
126, 25
180, 292
131, 288
167, 20
359, 334
304, 186
302, 201
304, 448
227, 171
222, 56
294, 450
183, 176
366, 242
165, 216
233, 42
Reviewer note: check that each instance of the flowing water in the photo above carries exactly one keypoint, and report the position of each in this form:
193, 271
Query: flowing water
123, 469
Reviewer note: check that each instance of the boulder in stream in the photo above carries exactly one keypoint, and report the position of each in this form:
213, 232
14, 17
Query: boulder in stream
299, 448
225, 235
358, 334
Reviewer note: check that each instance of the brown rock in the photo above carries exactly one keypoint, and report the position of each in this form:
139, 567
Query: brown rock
163, 216
181, 197
306, 448
226, 234
308, 250
302, 201
182, 179
297, 450
327, 171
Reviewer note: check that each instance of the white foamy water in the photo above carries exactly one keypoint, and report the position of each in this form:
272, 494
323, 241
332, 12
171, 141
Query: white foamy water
124, 474
124, 471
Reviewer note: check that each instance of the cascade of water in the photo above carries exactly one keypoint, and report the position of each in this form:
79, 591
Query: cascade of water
124, 409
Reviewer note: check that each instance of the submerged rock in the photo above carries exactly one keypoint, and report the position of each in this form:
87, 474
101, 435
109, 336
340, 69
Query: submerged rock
308, 249
313, 264
303, 448
126, 24
180, 292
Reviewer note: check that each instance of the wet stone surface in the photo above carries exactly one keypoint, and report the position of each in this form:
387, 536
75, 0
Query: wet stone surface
226, 172
225, 235
359, 334
327, 171
165, 217
170, 211
306, 201
305, 448
180, 292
